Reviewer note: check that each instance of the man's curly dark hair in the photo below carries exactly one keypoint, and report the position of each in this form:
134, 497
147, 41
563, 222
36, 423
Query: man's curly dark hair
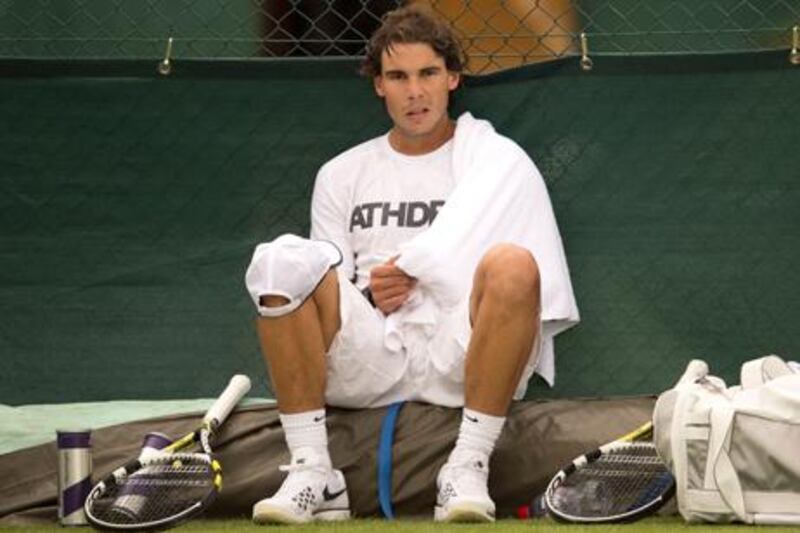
413, 23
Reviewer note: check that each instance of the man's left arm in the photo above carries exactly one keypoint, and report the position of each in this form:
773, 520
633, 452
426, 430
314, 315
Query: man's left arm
500, 198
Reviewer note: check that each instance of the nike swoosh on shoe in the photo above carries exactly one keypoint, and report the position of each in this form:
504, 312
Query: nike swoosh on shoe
328, 496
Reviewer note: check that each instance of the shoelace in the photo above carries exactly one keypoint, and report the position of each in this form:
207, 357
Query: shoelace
298, 468
470, 473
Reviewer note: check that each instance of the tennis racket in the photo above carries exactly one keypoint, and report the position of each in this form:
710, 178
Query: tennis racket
162, 489
621, 481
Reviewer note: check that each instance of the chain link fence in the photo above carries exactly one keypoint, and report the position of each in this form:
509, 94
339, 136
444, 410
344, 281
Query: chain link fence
496, 34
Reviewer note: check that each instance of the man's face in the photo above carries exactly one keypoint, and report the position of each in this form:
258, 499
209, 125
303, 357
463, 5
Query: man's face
416, 85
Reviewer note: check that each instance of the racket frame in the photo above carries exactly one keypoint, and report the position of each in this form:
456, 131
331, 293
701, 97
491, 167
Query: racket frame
238, 386
641, 433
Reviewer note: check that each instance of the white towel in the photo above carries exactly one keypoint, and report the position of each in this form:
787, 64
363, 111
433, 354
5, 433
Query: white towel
500, 197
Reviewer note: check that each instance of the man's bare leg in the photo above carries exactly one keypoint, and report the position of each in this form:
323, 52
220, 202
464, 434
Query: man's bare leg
505, 314
504, 310
294, 348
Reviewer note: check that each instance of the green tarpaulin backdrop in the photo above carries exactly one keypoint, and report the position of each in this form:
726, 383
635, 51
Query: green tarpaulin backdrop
129, 206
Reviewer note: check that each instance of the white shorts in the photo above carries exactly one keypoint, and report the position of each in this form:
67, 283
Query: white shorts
362, 372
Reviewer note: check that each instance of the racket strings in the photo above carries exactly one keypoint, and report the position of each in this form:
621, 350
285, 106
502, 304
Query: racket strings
155, 493
618, 482
630, 456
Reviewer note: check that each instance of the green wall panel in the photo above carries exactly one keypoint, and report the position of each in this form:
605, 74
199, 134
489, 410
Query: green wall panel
129, 208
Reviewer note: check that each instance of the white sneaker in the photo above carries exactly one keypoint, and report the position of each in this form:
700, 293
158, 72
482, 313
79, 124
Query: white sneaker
312, 491
463, 490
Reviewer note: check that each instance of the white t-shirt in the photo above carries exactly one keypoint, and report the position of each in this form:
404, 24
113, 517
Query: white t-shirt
375, 203
371, 198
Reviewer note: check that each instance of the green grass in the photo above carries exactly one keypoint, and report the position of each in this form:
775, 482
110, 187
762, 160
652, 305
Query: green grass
658, 524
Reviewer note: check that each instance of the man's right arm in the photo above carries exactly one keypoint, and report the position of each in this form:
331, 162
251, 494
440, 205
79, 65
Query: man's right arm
390, 287
329, 218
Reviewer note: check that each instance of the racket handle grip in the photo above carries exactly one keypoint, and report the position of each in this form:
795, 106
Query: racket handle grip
235, 391
536, 509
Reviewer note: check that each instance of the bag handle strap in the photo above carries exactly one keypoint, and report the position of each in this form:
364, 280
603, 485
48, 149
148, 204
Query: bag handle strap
759, 371
385, 459
725, 476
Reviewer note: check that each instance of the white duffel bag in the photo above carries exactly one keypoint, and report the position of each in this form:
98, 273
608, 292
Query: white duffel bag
734, 451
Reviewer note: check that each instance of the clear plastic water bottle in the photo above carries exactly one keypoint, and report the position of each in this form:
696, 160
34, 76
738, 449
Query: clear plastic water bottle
536, 509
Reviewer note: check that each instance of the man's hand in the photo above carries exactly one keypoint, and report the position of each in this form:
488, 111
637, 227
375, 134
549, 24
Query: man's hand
390, 286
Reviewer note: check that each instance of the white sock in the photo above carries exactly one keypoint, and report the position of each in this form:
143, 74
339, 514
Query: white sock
478, 433
307, 430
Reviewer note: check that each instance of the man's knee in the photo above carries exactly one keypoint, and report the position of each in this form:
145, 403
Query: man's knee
285, 272
510, 275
